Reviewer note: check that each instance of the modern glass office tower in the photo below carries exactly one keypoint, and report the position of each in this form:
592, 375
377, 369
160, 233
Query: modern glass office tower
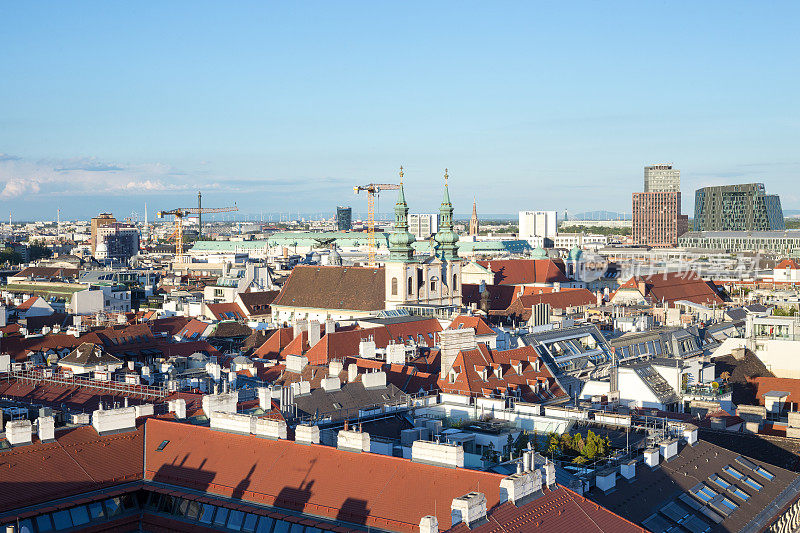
745, 207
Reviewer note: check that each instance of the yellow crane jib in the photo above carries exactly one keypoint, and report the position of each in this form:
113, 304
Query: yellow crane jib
181, 212
373, 190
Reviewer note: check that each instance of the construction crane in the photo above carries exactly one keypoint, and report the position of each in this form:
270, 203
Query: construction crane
182, 212
373, 190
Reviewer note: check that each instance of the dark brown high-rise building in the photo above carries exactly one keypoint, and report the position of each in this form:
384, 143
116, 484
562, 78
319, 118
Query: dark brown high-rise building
103, 219
657, 218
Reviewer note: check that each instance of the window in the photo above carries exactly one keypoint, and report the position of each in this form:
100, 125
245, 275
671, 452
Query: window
733, 472
207, 513
79, 515
113, 506
96, 511
410, 285
221, 516
43, 523
764, 473
235, 520
281, 527
740, 493
750, 482
62, 520
162, 445
394, 286
720, 482
729, 504
265, 524
433, 285
250, 522
455, 282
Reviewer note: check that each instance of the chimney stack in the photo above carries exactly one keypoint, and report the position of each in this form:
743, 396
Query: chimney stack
470, 509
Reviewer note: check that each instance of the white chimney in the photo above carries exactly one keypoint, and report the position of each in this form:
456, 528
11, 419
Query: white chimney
47, 428
354, 441
429, 524
19, 432
470, 509
651, 457
516, 487
114, 420
606, 479
331, 384
335, 368
306, 434
374, 380
669, 449
690, 434
296, 363
550, 473
265, 398
628, 469
299, 327
314, 332
330, 326
352, 372
366, 349
178, 406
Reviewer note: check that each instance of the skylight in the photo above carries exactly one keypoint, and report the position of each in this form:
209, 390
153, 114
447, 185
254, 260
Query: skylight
752, 483
733, 472
162, 445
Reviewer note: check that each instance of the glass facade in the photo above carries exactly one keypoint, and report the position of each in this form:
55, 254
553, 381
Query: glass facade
745, 207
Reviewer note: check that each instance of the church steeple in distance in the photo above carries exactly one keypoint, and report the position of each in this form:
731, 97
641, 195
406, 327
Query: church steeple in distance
473, 221
446, 237
401, 239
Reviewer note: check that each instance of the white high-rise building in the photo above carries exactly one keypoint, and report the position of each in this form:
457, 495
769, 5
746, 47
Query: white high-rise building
422, 226
538, 225
662, 178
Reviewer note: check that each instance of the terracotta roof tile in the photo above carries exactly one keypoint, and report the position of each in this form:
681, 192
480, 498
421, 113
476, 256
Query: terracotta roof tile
525, 271
334, 287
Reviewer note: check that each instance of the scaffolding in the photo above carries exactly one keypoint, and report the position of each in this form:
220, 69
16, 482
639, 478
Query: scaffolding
62, 379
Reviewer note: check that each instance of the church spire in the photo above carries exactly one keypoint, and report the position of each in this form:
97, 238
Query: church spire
400, 240
473, 221
446, 237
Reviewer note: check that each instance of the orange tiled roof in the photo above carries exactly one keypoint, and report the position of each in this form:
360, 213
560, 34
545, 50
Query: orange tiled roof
525, 271
474, 322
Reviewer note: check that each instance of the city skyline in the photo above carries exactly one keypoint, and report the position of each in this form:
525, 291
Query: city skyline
555, 109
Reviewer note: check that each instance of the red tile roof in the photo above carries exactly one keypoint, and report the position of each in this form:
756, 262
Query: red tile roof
787, 263
334, 287
521, 306
193, 328
525, 271
78, 461
272, 347
557, 511
474, 322
498, 298
517, 373
226, 311
390, 492
671, 287
24, 306
765, 385
345, 343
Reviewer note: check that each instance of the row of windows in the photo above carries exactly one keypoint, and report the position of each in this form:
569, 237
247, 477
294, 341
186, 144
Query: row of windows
210, 516
77, 516
222, 518
410, 285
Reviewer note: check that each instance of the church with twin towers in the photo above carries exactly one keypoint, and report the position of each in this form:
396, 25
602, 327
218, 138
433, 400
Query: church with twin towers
434, 279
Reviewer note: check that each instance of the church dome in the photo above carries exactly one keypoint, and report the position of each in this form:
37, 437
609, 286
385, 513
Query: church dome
575, 253
539, 253
334, 259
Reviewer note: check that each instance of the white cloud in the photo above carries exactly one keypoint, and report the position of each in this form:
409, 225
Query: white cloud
14, 188
23, 178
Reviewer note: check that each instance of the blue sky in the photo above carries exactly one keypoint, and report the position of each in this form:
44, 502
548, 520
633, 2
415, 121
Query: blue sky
286, 106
